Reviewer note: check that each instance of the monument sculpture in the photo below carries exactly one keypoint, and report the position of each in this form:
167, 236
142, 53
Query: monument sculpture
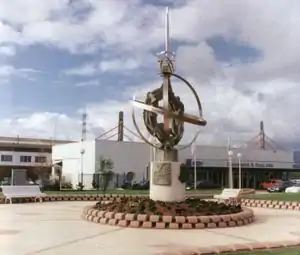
167, 206
164, 183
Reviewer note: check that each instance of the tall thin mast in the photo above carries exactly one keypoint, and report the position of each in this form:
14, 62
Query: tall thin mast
167, 32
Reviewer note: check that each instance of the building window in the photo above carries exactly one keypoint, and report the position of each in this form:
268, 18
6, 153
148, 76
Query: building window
6, 158
25, 159
40, 159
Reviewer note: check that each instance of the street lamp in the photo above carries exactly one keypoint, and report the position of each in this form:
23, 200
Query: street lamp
81, 174
230, 177
193, 150
239, 155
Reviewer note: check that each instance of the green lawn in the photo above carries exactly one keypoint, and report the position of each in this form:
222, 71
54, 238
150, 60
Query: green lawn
128, 192
284, 251
295, 197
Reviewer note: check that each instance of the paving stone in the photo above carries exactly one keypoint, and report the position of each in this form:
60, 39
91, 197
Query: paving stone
104, 220
146, 224
231, 224
204, 219
192, 219
187, 226
109, 215
173, 225
222, 224
211, 225
226, 218
160, 225
119, 216
167, 219
101, 214
130, 216
123, 223
142, 217
154, 218
180, 219
215, 219
134, 224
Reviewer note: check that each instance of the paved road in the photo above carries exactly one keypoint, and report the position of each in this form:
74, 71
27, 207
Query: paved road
56, 228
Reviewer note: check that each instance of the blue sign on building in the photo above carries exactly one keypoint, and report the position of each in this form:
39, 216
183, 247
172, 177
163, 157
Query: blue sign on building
191, 163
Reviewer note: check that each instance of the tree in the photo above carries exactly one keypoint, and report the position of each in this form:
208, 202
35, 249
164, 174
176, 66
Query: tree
130, 177
105, 170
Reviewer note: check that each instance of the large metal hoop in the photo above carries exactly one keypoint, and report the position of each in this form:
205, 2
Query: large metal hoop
198, 104
140, 133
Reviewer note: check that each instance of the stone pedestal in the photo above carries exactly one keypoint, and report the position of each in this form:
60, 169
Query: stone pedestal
164, 182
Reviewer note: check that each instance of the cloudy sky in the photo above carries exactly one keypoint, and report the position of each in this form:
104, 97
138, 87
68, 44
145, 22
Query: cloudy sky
58, 57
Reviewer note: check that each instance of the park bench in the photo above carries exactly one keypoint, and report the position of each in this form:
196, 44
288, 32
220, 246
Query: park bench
26, 191
229, 196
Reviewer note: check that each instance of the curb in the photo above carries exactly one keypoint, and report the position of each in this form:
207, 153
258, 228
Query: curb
56, 198
247, 247
271, 204
168, 222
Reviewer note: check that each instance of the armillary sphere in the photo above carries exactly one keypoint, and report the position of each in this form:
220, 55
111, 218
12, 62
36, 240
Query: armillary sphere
170, 132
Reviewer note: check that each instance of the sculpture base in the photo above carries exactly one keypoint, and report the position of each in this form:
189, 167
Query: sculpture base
164, 182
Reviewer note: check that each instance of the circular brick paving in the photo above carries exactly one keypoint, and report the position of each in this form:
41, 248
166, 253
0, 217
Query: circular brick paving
162, 222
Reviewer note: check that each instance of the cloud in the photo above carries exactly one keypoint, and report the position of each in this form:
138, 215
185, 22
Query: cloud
7, 50
117, 65
87, 83
85, 70
7, 71
235, 94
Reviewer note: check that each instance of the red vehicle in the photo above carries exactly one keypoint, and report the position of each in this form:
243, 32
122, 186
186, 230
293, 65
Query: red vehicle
270, 183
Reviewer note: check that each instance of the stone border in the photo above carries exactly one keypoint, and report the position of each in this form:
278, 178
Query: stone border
93, 197
58, 198
271, 204
168, 222
247, 247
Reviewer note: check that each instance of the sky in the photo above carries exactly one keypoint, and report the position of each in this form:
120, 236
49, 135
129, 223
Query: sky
59, 58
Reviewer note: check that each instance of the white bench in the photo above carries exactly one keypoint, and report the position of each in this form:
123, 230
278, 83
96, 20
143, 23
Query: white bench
229, 195
10, 192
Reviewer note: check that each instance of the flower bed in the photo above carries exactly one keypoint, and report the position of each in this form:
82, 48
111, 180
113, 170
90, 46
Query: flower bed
144, 205
133, 220
193, 213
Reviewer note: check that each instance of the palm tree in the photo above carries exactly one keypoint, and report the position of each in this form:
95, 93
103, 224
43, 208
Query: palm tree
105, 171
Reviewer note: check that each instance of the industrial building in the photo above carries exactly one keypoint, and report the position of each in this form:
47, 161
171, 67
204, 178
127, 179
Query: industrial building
212, 162
33, 155
80, 160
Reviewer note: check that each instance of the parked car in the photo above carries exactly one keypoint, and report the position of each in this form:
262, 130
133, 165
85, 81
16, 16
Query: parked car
136, 185
281, 187
293, 189
295, 181
141, 185
270, 183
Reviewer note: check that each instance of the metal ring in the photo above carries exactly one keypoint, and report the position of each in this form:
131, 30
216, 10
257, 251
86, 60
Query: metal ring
198, 103
140, 133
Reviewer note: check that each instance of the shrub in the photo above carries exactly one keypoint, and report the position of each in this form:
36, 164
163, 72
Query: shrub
80, 186
67, 185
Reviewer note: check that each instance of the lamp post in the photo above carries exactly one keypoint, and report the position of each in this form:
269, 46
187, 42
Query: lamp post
81, 171
193, 150
239, 155
230, 175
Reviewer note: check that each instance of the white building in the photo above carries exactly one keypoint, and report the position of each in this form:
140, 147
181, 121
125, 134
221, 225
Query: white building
212, 162
26, 153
